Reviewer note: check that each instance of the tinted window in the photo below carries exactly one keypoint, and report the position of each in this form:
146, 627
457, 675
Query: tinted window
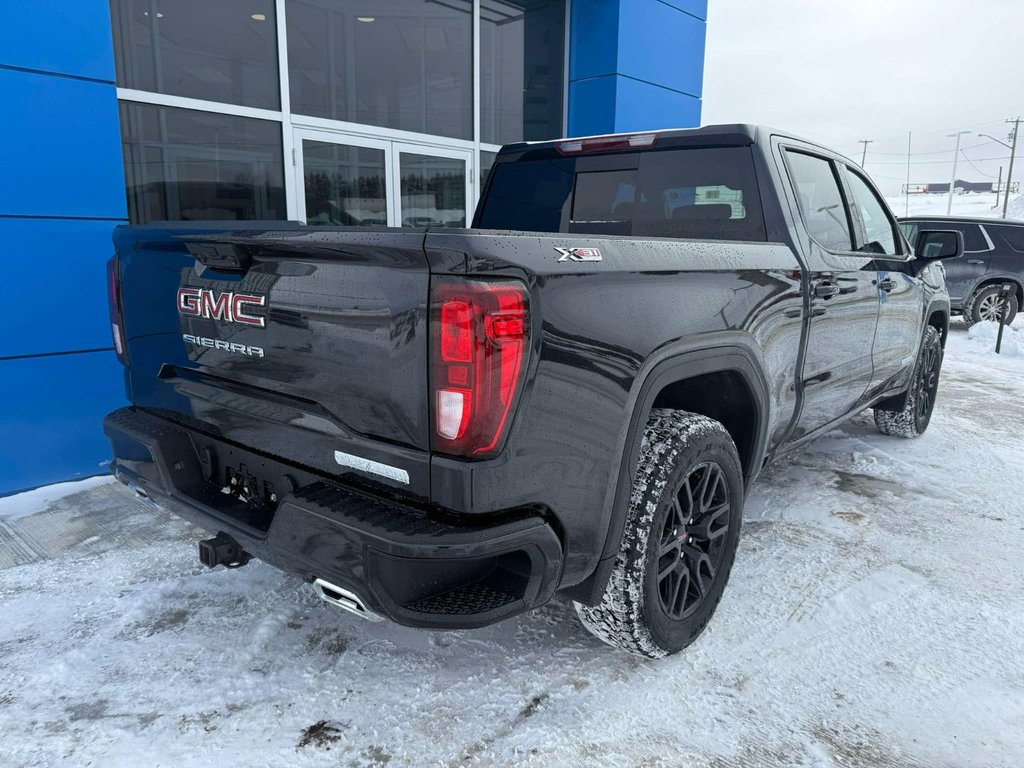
689, 193
520, 94
909, 230
974, 240
218, 51
404, 64
486, 163
821, 204
192, 166
1014, 236
528, 195
880, 235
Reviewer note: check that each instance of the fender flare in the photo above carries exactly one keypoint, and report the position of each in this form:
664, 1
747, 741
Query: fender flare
994, 278
735, 352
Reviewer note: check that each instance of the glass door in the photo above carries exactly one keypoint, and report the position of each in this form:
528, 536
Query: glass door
435, 186
342, 180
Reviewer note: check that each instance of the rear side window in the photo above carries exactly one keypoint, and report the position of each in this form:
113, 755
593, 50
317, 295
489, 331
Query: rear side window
974, 240
699, 193
821, 203
1014, 236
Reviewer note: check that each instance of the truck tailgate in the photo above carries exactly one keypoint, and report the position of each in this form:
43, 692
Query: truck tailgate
310, 344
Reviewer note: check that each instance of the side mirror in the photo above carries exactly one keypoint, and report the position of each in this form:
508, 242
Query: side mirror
934, 244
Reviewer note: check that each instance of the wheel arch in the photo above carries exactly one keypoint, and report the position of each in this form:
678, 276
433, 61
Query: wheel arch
938, 318
988, 281
684, 377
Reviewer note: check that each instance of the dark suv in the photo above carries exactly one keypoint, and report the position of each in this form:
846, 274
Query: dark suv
993, 255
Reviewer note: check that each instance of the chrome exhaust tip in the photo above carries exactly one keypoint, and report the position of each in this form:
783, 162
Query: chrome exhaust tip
342, 598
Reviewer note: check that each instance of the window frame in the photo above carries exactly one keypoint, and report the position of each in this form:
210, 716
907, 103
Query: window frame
787, 148
903, 252
932, 224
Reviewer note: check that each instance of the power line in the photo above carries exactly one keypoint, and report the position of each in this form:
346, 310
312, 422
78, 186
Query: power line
971, 162
935, 162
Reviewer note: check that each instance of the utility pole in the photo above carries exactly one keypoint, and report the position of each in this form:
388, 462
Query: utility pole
1009, 173
952, 182
910, 137
864, 156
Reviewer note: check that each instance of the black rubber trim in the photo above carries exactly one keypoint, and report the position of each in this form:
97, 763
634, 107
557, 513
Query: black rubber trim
735, 355
417, 567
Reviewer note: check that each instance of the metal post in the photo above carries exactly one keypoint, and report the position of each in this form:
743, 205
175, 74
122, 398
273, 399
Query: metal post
1009, 173
864, 156
999, 185
952, 182
910, 137
1004, 307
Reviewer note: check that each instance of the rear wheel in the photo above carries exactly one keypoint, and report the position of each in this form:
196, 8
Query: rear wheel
913, 418
986, 306
682, 530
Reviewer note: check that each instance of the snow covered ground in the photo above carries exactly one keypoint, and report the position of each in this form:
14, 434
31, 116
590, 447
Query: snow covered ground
975, 204
875, 617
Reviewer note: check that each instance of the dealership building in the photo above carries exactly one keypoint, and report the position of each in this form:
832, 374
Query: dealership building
332, 112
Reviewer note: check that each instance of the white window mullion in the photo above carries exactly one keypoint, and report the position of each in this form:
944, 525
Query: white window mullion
292, 189
473, 173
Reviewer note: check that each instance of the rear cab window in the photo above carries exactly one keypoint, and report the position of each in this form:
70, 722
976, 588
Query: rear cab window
701, 193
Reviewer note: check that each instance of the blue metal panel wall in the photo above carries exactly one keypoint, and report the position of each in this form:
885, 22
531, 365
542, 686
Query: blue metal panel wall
62, 194
635, 64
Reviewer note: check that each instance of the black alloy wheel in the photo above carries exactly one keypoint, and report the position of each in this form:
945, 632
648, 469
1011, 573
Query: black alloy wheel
928, 381
692, 544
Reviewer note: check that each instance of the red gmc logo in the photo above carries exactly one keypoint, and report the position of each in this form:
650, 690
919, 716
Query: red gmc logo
230, 307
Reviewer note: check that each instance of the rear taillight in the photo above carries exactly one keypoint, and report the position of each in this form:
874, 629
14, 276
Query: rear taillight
114, 302
480, 344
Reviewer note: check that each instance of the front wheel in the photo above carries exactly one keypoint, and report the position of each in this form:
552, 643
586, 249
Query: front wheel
987, 306
913, 418
678, 547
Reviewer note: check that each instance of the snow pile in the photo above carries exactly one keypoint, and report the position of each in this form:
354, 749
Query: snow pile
982, 339
1015, 210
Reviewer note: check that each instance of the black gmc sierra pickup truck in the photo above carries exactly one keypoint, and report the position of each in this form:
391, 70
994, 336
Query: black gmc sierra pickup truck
445, 427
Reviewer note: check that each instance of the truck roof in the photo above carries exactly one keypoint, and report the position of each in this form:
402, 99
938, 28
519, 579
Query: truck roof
726, 134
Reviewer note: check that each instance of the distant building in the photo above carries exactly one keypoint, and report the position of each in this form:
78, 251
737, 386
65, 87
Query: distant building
942, 188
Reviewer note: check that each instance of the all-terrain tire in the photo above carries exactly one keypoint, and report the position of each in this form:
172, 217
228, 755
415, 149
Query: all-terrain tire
915, 415
984, 305
679, 450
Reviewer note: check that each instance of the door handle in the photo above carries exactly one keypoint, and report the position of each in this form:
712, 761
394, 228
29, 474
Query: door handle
975, 261
824, 290
887, 284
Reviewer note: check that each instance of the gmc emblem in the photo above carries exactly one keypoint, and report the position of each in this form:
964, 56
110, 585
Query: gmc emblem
230, 307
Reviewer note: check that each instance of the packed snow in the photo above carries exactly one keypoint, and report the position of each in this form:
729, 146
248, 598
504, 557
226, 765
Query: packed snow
875, 617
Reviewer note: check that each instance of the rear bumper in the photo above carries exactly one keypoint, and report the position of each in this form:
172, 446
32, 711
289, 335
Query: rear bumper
418, 568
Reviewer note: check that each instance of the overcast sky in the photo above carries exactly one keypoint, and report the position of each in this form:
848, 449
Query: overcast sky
842, 70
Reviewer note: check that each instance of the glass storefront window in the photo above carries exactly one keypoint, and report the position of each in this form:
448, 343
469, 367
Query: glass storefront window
344, 185
404, 64
218, 51
184, 165
522, 50
486, 163
433, 192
